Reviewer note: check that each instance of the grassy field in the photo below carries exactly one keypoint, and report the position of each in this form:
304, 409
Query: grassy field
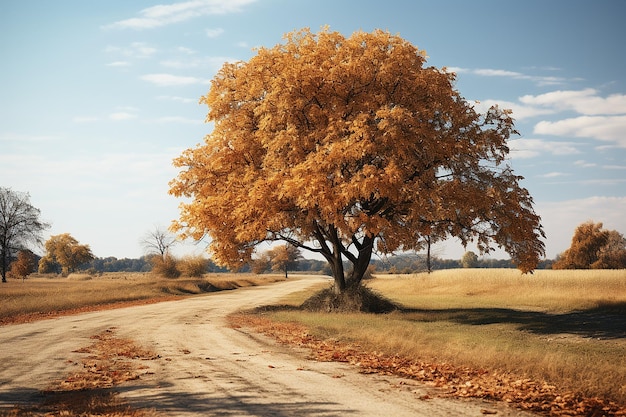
40, 295
564, 328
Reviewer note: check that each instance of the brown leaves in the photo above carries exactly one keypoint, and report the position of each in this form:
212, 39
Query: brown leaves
446, 379
314, 130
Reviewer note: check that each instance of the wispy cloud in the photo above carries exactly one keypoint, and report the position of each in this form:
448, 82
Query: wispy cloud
212, 63
122, 115
584, 164
553, 175
490, 72
179, 99
520, 111
167, 14
134, 50
167, 80
587, 102
530, 148
605, 128
213, 32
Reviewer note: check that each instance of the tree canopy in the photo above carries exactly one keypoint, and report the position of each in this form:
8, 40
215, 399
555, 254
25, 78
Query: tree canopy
342, 146
64, 250
594, 247
20, 226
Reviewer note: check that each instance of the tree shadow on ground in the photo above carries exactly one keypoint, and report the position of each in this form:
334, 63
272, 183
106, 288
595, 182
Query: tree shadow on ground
105, 401
607, 321
235, 403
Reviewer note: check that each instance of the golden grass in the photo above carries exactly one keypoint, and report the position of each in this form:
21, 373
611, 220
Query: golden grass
565, 328
44, 295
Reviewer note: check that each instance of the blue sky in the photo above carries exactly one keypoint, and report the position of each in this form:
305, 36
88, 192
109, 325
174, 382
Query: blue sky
97, 98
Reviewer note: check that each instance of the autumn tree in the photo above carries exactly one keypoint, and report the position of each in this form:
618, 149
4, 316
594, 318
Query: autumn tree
342, 146
65, 251
284, 257
469, 260
20, 226
594, 247
24, 265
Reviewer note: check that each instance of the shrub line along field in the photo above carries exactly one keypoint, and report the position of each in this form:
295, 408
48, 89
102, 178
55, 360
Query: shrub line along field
559, 329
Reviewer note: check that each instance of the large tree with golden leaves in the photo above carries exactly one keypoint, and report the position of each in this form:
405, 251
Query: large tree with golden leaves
343, 146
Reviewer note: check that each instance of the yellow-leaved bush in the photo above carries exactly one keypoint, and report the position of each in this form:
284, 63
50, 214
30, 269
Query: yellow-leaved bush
345, 145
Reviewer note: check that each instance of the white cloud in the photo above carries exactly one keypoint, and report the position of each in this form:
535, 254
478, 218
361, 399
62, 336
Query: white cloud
530, 148
584, 164
586, 102
185, 50
490, 72
553, 175
122, 116
171, 80
179, 99
606, 128
520, 111
134, 50
614, 167
166, 14
214, 33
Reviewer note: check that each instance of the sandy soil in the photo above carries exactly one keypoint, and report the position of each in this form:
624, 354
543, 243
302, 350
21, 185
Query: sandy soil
208, 369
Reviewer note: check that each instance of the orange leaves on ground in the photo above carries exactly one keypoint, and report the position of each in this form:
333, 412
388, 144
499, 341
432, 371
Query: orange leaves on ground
111, 361
445, 379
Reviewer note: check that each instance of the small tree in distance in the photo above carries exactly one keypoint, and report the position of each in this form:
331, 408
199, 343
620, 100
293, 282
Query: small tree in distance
20, 226
64, 250
469, 260
158, 242
594, 247
24, 265
346, 146
284, 257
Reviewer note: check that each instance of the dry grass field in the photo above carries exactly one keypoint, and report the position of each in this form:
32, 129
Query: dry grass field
41, 296
562, 328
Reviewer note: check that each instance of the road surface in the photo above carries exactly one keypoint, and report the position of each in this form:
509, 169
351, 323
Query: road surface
208, 369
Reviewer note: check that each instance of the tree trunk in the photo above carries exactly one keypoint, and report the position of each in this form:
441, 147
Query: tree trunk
428, 266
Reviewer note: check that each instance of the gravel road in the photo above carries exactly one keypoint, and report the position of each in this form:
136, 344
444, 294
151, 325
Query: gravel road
208, 369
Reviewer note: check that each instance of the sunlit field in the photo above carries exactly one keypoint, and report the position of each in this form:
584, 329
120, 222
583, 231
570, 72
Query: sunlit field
43, 295
565, 328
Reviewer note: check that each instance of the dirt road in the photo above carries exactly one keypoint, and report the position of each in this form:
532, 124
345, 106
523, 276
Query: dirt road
208, 369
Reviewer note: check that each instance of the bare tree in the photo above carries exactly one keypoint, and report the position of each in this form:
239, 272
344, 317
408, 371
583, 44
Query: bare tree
158, 242
19, 226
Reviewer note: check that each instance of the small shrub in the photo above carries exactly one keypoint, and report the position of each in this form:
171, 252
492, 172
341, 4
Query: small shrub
359, 298
193, 266
166, 266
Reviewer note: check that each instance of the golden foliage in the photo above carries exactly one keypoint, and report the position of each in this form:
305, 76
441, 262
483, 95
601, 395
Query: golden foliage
64, 250
594, 248
348, 142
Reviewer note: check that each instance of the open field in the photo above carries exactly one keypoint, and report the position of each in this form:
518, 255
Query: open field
562, 328
41, 296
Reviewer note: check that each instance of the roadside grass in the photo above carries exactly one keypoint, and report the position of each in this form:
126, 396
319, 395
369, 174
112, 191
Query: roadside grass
40, 296
562, 328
